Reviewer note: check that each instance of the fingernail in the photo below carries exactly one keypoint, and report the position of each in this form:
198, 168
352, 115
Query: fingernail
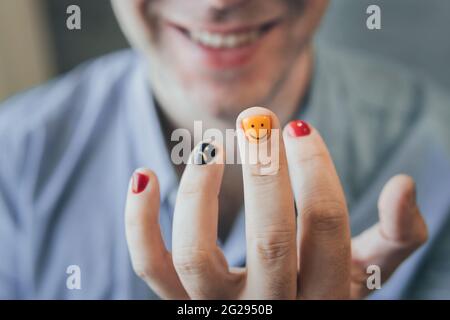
204, 154
139, 182
298, 128
257, 128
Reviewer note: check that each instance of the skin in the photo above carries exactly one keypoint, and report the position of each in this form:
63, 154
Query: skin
190, 91
316, 260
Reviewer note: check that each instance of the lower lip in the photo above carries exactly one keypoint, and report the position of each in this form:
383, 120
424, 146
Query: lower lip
221, 58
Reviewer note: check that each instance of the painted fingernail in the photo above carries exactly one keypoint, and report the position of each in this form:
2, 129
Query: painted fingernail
139, 182
204, 154
298, 128
257, 128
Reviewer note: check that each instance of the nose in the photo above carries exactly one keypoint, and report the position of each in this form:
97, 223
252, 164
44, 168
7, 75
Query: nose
225, 4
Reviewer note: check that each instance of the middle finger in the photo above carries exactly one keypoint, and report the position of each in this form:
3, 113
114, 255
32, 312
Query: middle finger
269, 206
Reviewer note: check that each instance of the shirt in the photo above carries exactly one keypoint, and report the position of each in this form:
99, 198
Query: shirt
69, 147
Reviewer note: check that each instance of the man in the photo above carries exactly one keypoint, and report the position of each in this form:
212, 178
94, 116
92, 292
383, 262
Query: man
69, 149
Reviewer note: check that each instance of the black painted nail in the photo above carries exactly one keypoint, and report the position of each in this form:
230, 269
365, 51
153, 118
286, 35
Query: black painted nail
204, 154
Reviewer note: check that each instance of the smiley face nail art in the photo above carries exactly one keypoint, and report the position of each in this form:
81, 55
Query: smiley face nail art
257, 128
204, 154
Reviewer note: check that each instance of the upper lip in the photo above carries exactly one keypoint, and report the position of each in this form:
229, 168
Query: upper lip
227, 28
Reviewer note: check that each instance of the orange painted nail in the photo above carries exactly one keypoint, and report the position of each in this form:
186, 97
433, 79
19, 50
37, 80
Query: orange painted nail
257, 128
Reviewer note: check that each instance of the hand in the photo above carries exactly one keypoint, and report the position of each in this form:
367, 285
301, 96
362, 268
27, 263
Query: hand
316, 260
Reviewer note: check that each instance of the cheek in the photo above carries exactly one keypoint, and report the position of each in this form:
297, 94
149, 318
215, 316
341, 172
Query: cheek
305, 20
273, 60
139, 27
167, 56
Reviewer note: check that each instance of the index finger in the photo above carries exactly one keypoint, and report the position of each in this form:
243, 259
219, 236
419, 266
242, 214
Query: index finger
200, 263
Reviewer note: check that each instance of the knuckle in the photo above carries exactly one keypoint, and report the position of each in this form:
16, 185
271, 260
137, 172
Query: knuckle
421, 236
264, 186
191, 261
317, 156
275, 246
190, 188
263, 181
196, 190
329, 216
148, 271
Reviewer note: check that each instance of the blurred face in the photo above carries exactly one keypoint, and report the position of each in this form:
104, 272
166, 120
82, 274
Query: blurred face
220, 56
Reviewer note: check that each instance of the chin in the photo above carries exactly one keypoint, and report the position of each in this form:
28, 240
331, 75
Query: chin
224, 104
229, 99
219, 109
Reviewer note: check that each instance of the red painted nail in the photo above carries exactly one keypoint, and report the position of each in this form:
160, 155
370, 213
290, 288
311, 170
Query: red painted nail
139, 182
298, 128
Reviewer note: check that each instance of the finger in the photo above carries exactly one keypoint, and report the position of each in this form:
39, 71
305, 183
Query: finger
199, 262
400, 231
269, 206
324, 235
150, 259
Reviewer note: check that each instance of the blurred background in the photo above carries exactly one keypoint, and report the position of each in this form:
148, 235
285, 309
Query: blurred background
35, 44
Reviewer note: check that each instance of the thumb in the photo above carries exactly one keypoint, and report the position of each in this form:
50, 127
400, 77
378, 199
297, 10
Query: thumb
400, 231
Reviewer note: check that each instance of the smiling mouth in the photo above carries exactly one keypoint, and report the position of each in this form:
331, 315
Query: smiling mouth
258, 138
228, 40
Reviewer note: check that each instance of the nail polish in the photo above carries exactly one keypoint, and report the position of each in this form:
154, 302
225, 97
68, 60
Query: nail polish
204, 154
257, 128
139, 182
298, 128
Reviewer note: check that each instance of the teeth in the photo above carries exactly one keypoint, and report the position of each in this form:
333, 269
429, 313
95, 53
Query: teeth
219, 41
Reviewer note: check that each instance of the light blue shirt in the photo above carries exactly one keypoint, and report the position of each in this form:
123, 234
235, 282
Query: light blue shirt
68, 149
